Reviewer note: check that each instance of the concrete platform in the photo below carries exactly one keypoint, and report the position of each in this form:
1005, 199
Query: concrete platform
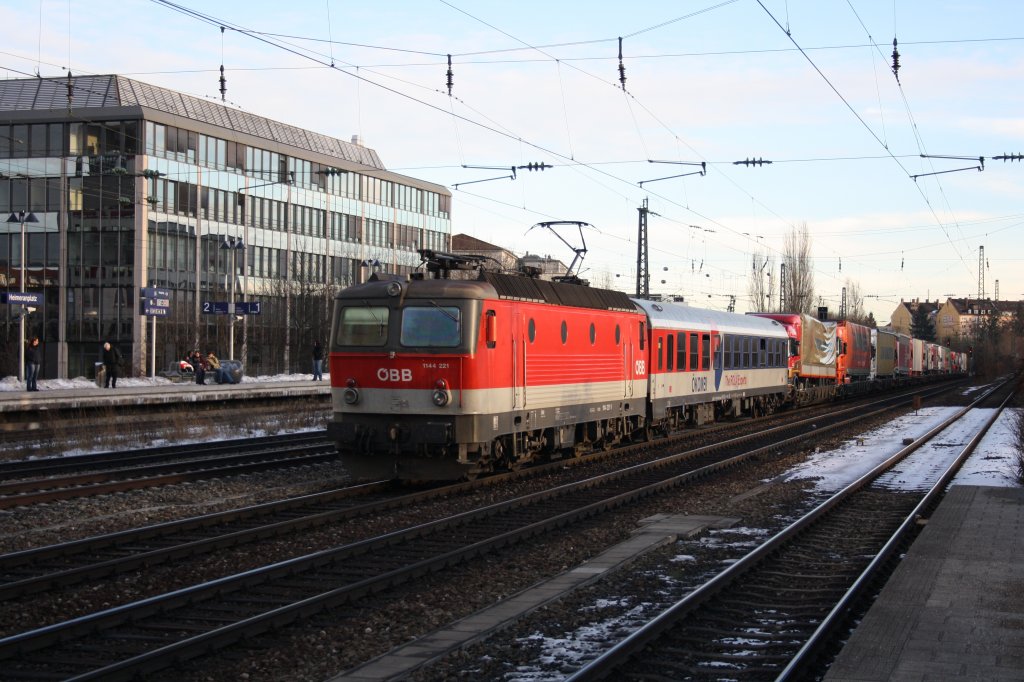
653, 532
954, 608
13, 402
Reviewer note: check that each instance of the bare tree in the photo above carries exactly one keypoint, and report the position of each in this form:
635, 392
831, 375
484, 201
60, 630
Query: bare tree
761, 285
799, 284
855, 303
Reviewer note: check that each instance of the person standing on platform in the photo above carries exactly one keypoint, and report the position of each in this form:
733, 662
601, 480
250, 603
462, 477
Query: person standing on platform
318, 361
198, 366
32, 360
111, 359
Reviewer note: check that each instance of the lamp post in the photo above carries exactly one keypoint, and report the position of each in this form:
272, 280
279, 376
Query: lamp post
232, 245
22, 217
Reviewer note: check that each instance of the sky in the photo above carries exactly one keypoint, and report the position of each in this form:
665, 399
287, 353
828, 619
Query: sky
804, 84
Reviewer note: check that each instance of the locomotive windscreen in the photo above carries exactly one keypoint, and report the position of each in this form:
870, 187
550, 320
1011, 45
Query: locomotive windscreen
363, 325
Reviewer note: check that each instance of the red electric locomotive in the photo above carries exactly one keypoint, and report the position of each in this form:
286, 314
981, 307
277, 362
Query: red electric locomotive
436, 377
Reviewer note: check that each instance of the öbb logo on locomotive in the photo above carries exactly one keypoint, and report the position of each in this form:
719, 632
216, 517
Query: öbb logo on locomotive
393, 375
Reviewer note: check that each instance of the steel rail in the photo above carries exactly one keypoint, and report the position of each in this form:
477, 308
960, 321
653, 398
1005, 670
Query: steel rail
26, 468
28, 492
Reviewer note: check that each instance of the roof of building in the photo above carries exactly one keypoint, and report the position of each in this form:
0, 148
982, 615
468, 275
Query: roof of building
112, 91
965, 305
463, 242
930, 306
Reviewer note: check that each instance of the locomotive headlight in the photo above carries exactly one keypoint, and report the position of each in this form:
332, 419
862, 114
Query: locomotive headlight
351, 393
441, 395
393, 289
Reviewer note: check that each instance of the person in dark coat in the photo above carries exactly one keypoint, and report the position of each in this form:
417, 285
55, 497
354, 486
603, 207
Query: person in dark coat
111, 359
199, 366
33, 358
318, 361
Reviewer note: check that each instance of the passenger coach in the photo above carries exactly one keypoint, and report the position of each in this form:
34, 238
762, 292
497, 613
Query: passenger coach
707, 364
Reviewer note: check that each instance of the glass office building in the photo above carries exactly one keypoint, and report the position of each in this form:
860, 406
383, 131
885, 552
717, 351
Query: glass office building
118, 185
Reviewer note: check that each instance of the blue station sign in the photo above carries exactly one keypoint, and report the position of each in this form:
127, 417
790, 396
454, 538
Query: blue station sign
156, 302
215, 307
248, 308
21, 298
226, 308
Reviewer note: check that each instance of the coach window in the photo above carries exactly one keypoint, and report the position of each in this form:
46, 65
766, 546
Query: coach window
434, 327
705, 351
363, 326
763, 355
681, 352
643, 334
746, 351
532, 330
694, 353
671, 352
565, 332
661, 353
735, 363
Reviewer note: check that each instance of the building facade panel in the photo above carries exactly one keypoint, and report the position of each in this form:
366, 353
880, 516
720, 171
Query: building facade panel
144, 196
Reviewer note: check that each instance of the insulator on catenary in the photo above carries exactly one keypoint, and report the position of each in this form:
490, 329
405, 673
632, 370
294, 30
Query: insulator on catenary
622, 67
451, 78
895, 61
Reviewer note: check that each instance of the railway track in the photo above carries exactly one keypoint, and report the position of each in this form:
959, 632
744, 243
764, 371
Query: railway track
27, 482
139, 638
778, 613
54, 566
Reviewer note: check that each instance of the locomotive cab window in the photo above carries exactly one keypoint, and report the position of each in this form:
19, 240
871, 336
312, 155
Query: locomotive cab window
433, 327
363, 326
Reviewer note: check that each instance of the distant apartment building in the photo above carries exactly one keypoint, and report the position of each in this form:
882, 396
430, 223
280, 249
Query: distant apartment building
119, 185
902, 318
963, 318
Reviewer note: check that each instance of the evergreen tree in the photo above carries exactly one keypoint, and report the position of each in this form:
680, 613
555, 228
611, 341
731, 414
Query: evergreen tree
921, 326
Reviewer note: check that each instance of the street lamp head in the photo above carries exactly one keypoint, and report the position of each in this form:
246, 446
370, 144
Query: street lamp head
232, 243
22, 217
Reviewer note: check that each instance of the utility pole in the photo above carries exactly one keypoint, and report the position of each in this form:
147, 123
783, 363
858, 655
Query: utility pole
643, 277
981, 273
782, 288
